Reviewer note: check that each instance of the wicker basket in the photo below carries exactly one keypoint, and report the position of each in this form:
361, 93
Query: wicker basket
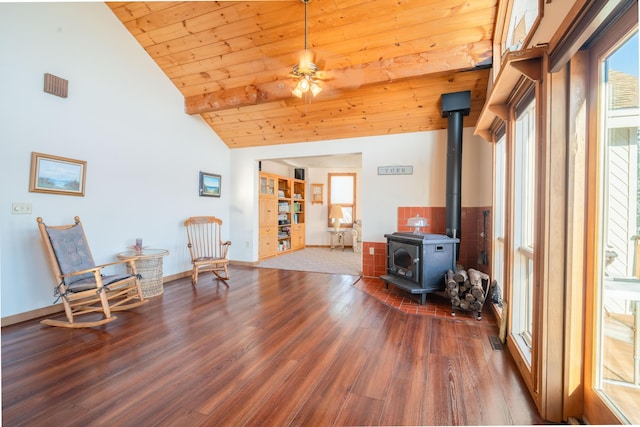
150, 271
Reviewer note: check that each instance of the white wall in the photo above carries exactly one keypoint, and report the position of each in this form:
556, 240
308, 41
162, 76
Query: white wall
123, 116
381, 195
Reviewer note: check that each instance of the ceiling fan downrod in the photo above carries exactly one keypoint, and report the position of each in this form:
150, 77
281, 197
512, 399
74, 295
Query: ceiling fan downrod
305, 70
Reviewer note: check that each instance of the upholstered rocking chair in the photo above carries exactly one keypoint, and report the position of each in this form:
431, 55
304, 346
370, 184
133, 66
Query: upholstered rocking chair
88, 296
208, 251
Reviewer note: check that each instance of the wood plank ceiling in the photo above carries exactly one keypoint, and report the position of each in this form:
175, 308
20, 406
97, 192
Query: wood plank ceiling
383, 63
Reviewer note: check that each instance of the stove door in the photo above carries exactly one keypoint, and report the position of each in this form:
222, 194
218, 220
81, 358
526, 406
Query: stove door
404, 260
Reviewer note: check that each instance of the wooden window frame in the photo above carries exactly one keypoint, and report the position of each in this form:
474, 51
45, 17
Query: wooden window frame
352, 206
499, 214
596, 409
541, 369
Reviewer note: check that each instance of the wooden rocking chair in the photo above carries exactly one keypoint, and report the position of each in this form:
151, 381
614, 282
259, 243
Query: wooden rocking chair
79, 282
208, 251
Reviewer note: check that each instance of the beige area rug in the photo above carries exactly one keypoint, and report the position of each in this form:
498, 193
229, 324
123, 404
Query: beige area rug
322, 260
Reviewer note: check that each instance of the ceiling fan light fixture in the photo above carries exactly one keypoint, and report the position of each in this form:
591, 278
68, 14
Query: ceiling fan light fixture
306, 84
305, 70
301, 88
315, 89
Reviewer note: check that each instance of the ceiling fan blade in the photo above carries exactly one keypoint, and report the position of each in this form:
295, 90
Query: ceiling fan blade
346, 79
324, 75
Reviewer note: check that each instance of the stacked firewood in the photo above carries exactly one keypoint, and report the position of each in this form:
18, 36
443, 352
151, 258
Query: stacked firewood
467, 290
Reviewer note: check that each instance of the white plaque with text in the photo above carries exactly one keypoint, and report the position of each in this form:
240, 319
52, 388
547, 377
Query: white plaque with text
395, 170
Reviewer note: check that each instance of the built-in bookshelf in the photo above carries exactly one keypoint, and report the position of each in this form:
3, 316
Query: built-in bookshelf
282, 214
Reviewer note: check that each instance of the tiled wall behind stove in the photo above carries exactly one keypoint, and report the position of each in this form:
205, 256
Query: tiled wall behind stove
374, 254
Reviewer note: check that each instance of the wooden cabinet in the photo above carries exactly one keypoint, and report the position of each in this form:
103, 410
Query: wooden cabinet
267, 185
268, 208
316, 193
297, 236
268, 218
268, 242
281, 211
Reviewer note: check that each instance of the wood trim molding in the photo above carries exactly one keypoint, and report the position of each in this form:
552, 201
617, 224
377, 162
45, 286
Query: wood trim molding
32, 314
166, 279
578, 83
244, 263
58, 308
524, 64
582, 22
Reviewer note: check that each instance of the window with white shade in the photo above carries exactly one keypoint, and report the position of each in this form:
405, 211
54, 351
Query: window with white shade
342, 192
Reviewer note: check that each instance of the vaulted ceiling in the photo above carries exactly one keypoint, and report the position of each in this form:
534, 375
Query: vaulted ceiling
383, 63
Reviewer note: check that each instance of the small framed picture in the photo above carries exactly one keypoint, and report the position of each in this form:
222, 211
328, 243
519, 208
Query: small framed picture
209, 184
316, 193
57, 175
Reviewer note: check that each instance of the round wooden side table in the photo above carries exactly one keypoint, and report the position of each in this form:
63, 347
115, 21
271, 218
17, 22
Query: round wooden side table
149, 267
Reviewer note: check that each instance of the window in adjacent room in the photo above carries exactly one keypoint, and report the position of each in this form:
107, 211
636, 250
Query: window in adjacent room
342, 191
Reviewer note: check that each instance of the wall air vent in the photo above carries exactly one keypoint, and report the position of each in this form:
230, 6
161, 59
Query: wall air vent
56, 85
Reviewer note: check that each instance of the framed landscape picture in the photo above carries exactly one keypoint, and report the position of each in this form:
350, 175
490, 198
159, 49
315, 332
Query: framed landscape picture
57, 175
209, 184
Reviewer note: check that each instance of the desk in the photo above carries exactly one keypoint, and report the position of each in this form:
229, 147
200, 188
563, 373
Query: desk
629, 289
149, 267
337, 240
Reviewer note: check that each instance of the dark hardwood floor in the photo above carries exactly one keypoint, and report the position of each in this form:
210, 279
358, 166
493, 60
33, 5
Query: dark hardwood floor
275, 348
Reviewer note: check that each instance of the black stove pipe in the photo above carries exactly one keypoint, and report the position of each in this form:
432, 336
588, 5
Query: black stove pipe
455, 106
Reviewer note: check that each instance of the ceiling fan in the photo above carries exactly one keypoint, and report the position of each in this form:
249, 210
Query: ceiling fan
305, 71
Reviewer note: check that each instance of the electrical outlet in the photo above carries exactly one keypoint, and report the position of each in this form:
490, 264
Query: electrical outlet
372, 251
21, 208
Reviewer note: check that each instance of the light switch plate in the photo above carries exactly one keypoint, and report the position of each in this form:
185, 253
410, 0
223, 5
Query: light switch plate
20, 208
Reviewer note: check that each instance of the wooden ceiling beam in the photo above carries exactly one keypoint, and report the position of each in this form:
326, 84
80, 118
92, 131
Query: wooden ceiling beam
418, 94
349, 78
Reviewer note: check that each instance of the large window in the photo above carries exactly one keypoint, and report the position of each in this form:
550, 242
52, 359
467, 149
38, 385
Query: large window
572, 213
523, 223
342, 192
617, 293
498, 219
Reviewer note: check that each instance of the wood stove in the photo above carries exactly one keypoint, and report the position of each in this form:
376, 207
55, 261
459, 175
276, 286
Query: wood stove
418, 262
